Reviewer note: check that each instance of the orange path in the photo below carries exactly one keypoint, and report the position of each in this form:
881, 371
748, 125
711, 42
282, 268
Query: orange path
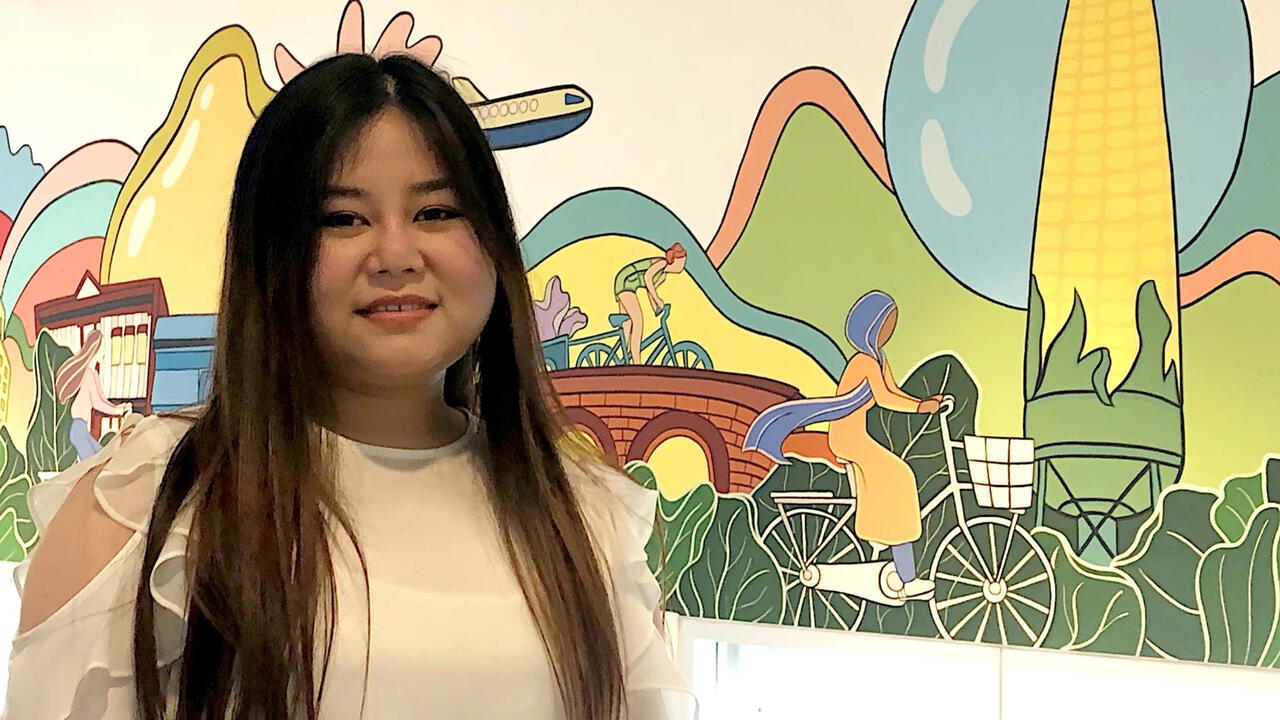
809, 86
1256, 252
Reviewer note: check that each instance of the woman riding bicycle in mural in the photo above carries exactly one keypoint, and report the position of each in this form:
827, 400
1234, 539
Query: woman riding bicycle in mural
888, 505
78, 379
648, 274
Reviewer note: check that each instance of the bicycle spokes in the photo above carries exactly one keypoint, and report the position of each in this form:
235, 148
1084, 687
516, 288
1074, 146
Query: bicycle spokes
800, 539
1012, 606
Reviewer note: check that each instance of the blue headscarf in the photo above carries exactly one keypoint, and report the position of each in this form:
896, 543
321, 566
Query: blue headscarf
862, 327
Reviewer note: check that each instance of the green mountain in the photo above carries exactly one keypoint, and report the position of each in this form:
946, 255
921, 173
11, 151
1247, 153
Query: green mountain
825, 230
1230, 351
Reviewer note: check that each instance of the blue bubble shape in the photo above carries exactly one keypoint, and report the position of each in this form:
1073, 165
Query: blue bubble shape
967, 106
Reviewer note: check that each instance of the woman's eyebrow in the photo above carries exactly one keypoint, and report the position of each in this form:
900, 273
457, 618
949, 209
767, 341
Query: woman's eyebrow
418, 188
429, 186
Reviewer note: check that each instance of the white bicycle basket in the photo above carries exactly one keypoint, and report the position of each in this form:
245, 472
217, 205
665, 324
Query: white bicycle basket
1002, 469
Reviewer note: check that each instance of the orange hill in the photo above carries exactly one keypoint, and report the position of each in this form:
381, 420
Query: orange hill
1257, 252
807, 86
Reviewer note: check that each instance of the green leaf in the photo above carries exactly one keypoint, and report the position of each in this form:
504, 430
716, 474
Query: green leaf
684, 523
639, 472
1169, 544
1035, 340
735, 578
1149, 373
1067, 367
13, 328
1273, 480
1241, 498
1098, 609
917, 439
1240, 595
1099, 378
13, 463
49, 446
17, 531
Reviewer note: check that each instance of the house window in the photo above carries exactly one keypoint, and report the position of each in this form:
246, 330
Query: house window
141, 356
128, 345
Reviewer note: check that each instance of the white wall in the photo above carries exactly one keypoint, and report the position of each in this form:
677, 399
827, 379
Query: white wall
763, 672
676, 83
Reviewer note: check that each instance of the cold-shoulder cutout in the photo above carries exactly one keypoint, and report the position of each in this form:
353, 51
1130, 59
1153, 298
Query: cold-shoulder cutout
78, 661
80, 541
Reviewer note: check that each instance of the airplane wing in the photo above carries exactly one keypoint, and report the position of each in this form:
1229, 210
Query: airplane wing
468, 91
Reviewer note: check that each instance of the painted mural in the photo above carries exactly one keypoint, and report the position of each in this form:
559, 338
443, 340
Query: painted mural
1003, 375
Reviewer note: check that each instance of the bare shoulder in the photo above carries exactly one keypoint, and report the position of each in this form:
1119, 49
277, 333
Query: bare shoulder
79, 542
82, 538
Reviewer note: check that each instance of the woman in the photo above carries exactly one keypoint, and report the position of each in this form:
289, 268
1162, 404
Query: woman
888, 506
378, 512
646, 274
77, 382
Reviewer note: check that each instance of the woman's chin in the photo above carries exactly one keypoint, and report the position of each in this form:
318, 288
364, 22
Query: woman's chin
402, 370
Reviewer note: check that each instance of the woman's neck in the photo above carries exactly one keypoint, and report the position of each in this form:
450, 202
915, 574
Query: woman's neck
397, 417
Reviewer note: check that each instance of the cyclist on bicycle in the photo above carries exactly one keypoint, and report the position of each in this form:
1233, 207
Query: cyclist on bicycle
888, 505
647, 273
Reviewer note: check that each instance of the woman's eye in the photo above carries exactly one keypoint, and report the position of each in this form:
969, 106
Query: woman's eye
340, 219
436, 214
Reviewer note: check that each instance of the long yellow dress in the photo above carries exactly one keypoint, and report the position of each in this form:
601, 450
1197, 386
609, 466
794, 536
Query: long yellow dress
888, 505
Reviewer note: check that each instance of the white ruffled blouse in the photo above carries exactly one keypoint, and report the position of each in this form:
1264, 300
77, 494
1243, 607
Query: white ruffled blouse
451, 634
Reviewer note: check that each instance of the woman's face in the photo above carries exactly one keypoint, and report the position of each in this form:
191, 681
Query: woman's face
402, 286
886, 330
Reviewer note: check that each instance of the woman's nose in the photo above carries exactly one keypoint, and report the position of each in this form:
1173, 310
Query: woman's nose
396, 253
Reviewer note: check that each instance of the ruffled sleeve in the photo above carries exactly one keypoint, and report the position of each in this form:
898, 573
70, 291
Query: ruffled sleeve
623, 512
78, 663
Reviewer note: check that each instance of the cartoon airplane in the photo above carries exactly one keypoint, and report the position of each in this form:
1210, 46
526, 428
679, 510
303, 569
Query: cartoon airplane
528, 118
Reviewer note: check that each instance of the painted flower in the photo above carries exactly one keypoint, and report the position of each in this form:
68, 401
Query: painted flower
394, 39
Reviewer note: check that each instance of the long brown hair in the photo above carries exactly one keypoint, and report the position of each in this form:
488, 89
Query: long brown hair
66, 383
253, 464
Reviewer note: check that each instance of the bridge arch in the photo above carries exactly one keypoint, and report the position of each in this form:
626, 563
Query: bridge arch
631, 410
595, 428
679, 423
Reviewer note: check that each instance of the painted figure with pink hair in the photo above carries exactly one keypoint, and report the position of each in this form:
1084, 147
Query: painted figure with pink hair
77, 381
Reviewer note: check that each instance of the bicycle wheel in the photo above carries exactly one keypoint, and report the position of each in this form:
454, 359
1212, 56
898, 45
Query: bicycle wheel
687, 354
1014, 608
599, 355
790, 547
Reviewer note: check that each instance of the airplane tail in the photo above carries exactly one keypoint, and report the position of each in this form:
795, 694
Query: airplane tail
468, 91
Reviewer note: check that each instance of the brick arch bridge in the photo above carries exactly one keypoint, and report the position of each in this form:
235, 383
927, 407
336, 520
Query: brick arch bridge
630, 410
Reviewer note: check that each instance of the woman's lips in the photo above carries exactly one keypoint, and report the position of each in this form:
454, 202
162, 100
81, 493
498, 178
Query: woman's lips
397, 319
